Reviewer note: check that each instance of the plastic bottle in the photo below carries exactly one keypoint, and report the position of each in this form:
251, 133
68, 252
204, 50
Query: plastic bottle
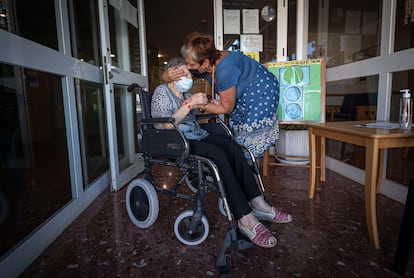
406, 109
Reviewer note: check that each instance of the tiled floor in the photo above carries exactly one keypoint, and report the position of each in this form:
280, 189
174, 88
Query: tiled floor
327, 238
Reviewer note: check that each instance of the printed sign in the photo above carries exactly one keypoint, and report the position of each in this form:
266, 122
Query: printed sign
302, 90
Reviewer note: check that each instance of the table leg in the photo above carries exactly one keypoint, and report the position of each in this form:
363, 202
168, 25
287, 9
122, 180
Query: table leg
371, 167
380, 169
312, 162
322, 158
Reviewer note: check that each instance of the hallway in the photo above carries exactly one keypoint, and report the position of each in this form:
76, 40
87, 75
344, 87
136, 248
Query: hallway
327, 238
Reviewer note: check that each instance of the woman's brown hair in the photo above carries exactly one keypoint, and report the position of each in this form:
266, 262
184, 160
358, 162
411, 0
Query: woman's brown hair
200, 46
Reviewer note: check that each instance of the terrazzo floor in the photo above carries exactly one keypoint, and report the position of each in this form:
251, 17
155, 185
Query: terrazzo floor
327, 238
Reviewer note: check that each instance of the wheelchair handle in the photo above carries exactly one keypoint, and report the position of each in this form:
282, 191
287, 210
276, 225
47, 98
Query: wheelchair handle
133, 86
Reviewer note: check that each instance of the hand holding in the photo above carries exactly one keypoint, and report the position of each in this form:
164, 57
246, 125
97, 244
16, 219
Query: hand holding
199, 98
215, 102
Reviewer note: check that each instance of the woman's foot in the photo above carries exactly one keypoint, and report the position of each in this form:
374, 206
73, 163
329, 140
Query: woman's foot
259, 235
275, 215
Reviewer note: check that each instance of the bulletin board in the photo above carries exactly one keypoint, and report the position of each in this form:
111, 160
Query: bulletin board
301, 90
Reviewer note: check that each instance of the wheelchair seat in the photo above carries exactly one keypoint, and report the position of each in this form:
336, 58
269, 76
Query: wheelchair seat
171, 148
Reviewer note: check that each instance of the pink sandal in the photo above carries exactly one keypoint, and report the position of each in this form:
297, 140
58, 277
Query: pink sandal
259, 235
275, 215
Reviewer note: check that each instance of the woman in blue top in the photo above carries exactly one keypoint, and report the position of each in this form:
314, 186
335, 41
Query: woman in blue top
248, 92
246, 201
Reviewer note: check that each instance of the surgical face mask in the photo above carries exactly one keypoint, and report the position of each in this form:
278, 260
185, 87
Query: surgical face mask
195, 72
184, 84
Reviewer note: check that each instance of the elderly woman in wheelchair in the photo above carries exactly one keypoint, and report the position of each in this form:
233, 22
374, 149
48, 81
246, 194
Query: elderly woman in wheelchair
220, 166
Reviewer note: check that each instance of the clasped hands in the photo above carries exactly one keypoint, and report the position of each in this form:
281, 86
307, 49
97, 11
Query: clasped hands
197, 100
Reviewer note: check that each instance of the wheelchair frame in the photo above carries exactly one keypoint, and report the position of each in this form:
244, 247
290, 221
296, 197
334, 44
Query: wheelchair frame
191, 227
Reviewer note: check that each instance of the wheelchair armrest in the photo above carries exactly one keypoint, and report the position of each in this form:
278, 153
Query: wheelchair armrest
162, 120
206, 116
163, 142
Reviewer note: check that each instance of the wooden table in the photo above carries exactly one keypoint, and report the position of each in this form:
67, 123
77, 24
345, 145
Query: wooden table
375, 141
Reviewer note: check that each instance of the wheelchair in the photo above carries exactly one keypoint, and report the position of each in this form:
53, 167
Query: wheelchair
169, 147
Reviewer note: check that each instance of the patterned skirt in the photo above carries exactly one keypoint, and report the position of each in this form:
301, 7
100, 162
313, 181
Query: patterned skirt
254, 120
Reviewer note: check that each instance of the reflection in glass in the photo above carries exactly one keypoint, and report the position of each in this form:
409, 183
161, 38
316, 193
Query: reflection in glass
92, 130
404, 26
400, 161
85, 31
291, 40
34, 176
134, 50
355, 99
344, 32
33, 20
121, 124
267, 28
126, 122
124, 34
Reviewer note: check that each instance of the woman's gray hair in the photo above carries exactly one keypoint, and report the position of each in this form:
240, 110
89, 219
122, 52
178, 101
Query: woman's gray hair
175, 63
187, 52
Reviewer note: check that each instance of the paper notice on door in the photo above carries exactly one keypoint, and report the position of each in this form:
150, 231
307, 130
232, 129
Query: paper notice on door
250, 21
231, 21
251, 43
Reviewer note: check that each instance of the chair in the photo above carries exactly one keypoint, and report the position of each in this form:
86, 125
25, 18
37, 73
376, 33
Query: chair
170, 147
357, 107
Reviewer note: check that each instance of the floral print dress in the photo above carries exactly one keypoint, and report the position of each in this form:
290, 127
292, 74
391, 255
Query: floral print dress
254, 121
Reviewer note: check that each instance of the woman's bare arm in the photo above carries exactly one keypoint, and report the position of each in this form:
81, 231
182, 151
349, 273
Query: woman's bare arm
225, 105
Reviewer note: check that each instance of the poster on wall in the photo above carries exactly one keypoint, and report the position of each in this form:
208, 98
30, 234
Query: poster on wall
302, 90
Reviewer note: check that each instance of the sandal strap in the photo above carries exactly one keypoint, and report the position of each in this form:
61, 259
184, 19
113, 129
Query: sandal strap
259, 235
280, 215
275, 215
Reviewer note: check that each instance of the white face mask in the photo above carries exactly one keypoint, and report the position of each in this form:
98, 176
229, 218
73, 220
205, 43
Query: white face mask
184, 84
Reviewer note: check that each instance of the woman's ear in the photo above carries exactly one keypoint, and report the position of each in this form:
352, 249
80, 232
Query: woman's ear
206, 63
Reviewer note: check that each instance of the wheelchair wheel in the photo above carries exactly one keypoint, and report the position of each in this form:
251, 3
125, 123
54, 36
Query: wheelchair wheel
142, 203
181, 226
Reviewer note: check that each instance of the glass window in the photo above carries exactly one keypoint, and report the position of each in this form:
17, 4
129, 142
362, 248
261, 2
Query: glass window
291, 42
85, 31
34, 176
33, 20
404, 26
344, 31
350, 100
400, 161
124, 35
134, 49
125, 103
92, 130
267, 11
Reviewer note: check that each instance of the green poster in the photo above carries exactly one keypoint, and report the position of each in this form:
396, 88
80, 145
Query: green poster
302, 90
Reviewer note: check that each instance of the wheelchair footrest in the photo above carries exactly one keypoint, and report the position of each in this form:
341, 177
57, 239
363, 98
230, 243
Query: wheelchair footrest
233, 239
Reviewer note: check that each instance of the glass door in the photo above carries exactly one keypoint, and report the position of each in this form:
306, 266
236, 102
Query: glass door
124, 63
256, 28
